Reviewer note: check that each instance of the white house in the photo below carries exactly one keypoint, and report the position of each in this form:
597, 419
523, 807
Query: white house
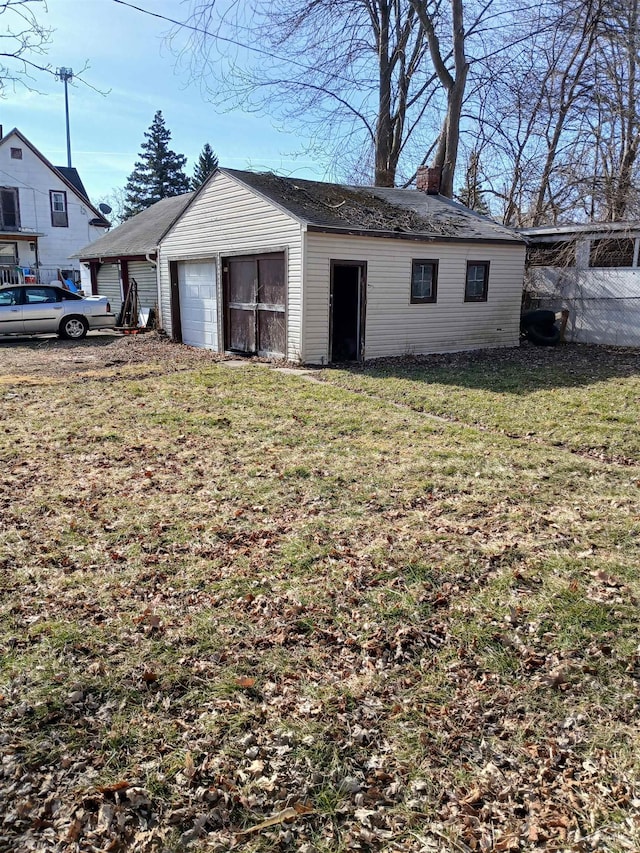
128, 252
45, 215
593, 271
319, 273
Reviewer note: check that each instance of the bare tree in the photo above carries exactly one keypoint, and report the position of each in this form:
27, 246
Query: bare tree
567, 83
471, 193
351, 71
562, 129
537, 123
23, 42
453, 82
616, 122
377, 85
548, 94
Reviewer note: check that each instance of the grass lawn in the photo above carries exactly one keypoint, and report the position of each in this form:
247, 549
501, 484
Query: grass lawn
241, 610
583, 398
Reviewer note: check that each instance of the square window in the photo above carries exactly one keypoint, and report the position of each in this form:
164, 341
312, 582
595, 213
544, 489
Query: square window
477, 283
9, 254
424, 281
16, 153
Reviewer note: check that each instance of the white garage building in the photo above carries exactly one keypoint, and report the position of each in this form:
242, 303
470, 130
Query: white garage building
257, 264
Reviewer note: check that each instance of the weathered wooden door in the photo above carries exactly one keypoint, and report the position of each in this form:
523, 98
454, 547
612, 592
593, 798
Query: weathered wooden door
255, 304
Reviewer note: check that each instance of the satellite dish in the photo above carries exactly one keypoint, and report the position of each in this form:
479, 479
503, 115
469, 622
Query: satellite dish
104, 208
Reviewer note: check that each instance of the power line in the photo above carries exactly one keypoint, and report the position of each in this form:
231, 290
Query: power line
270, 54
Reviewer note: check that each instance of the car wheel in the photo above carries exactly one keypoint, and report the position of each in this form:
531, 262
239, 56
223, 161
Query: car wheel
74, 328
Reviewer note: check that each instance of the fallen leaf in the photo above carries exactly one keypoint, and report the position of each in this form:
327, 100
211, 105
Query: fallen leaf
189, 766
282, 816
75, 830
115, 786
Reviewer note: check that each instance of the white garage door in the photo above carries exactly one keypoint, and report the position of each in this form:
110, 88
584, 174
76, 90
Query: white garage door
198, 303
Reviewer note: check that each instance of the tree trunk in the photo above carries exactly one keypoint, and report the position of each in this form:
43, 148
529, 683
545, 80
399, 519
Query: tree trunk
384, 173
631, 140
453, 84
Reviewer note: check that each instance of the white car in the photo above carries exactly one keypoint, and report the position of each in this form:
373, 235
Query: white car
38, 309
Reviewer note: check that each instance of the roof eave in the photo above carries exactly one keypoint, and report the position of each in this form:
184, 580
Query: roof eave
114, 258
21, 235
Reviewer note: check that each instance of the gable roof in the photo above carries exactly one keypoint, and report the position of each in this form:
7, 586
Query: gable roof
139, 235
374, 211
72, 176
68, 176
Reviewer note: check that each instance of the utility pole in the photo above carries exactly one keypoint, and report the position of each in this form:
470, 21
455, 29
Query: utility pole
66, 74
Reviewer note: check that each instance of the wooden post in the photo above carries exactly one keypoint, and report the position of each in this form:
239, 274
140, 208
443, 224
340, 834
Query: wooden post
564, 319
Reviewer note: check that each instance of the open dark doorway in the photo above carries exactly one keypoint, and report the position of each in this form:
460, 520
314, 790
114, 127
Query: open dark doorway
347, 310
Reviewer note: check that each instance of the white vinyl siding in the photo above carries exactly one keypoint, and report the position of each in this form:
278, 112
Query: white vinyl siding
396, 327
109, 285
34, 181
147, 281
228, 219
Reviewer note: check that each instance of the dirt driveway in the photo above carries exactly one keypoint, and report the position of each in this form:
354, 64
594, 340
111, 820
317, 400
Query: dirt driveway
48, 355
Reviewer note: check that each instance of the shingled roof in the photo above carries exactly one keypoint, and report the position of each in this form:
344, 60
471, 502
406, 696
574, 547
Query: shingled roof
71, 174
374, 211
139, 235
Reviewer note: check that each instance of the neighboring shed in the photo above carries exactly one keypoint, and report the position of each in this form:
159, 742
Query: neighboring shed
318, 273
130, 252
591, 270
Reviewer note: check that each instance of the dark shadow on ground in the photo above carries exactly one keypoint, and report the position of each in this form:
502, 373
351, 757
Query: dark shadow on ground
520, 370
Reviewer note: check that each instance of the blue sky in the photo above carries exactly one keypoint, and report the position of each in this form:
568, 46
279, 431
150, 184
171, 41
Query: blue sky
128, 58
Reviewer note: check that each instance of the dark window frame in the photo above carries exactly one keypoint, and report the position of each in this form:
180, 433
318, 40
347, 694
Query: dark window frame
16, 207
485, 283
16, 153
422, 300
559, 253
611, 252
59, 214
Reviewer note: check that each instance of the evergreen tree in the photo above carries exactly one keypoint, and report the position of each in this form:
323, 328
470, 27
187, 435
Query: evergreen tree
207, 163
472, 194
158, 173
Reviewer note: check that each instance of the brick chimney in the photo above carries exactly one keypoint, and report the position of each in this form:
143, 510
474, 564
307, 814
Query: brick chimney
428, 179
